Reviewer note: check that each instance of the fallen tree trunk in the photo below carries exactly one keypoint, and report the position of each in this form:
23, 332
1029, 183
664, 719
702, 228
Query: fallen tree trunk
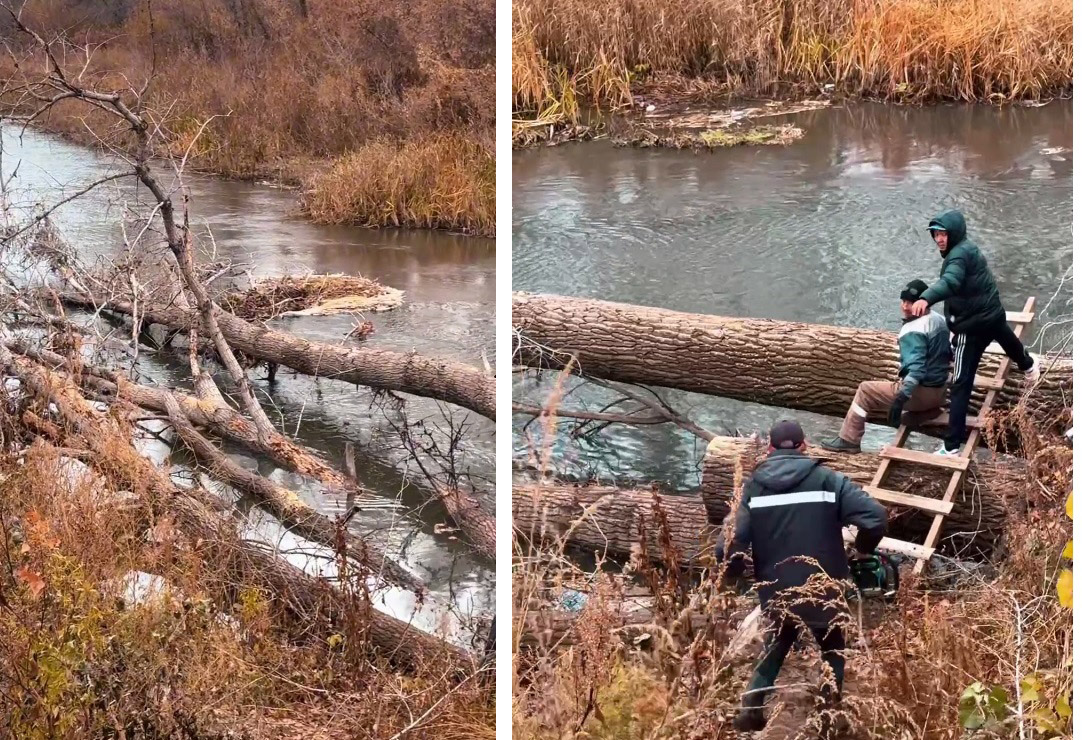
217, 417
311, 603
607, 520
286, 505
476, 523
186, 411
974, 527
229, 424
779, 363
443, 380
612, 521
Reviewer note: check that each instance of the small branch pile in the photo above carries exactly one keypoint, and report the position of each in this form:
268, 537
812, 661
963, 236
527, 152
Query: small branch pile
309, 295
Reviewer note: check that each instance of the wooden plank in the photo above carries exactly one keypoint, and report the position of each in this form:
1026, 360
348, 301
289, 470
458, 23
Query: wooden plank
950, 462
924, 503
1019, 317
972, 422
889, 544
992, 384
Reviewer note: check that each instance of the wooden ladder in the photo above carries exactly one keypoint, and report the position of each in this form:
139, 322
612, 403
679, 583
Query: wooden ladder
940, 508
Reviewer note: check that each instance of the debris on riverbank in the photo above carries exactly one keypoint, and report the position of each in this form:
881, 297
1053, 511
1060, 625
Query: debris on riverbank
310, 295
711, 138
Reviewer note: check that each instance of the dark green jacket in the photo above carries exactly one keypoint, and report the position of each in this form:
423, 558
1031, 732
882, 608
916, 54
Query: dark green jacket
924, 347
965, 283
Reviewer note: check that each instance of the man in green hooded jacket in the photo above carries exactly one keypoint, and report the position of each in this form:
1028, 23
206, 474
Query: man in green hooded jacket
974, 314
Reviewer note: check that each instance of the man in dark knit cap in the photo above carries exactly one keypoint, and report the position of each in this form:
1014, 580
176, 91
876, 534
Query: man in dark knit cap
791, 517
921, 389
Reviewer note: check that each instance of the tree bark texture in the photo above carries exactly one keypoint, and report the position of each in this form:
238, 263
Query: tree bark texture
444, 380
472, 518
311, 602
973, 529
607, 519
779, 363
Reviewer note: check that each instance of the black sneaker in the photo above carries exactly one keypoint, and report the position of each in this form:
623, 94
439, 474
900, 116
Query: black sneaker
840, 445
749, 719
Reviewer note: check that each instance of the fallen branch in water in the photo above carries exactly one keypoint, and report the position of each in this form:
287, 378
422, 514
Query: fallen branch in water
308, 603
443, 380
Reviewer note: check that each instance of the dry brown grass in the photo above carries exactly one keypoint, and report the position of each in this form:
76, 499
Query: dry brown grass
445, 182
593, 675
78, 659
906, 50
299, 95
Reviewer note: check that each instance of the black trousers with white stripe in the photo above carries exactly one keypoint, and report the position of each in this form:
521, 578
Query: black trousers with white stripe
968, 348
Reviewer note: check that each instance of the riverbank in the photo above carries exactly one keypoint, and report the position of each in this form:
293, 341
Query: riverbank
379, 116
571, 60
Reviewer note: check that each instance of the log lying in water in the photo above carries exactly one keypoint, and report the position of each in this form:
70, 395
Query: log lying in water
443, 380
607, 519
974, 527
476, 523
779, 363
311, 603
186, 412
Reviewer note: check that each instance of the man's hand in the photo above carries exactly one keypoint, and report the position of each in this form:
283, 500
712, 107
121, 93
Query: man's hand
920, 307
894, 416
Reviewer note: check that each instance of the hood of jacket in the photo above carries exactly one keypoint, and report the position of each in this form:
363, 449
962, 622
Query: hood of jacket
784, 469
954, 223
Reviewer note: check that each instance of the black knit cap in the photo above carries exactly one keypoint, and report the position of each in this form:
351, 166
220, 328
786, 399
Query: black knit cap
914, 290
786, 435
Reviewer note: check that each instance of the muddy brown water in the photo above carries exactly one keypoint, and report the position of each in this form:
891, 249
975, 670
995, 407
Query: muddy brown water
449, 284
826, 230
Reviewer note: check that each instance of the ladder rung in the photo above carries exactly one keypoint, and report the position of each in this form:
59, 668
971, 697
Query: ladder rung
995, 349
972, 422
983, 381
898, 547
951, 462
1019, 317
933, 505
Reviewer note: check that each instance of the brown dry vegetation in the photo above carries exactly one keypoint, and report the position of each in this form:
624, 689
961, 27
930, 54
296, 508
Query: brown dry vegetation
271, 297
601, 673
384, 112
568, 56
80, 660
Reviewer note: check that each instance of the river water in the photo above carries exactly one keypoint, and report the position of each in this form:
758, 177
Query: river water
826, 230
449, 310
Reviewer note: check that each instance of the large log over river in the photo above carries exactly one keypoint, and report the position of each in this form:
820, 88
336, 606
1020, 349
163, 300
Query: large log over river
789, 364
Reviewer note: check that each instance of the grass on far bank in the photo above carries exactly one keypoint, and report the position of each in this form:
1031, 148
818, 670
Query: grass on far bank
299, 92
569, 57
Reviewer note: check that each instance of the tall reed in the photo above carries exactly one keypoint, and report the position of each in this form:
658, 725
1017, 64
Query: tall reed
905, 50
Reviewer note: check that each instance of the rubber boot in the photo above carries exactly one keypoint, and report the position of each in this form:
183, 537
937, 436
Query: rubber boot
749, 719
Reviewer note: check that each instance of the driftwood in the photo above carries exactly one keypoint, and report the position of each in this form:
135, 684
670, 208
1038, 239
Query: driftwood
308, 602
778, 363
185, 412
444, 380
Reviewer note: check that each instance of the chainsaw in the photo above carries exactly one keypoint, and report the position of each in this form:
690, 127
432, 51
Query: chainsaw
875, 576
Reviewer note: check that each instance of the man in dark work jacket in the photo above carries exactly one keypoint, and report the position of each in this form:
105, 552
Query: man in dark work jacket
791, 516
